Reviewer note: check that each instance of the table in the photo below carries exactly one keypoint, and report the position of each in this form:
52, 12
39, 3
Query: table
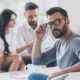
23, 75
69, 76
17, 75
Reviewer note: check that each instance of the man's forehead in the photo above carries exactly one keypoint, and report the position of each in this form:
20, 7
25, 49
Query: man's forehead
55, 16
35, 11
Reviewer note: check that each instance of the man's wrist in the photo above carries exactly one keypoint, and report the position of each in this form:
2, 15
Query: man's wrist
38, 40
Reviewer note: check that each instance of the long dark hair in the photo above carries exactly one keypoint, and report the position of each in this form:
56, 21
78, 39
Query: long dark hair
5, 17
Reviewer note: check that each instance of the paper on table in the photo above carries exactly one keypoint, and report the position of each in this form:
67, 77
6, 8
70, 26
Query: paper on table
21, 75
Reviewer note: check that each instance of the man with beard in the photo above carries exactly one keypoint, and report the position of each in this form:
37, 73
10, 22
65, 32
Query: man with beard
66, 50
25, 32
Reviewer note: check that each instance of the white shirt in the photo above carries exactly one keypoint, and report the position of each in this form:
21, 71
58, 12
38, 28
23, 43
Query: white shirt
1, 46
10, 40
24, 34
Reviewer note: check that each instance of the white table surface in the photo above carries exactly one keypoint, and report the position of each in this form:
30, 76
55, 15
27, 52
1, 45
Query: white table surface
23, 75
69, 76
18, 75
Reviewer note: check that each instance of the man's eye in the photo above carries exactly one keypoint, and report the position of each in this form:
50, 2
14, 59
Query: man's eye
56, 22
51, 23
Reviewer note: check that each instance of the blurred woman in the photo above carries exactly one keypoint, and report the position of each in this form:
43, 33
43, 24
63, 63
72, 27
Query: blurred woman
8, 60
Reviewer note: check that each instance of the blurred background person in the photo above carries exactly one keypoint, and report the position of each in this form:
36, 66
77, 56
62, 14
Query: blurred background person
25, 32
9, 61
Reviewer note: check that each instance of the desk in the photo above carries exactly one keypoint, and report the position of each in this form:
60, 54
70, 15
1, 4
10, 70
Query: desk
17, 75
69, 76
23, 75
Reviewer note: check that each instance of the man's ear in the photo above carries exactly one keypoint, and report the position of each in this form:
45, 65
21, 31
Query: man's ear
68, 21
24, 14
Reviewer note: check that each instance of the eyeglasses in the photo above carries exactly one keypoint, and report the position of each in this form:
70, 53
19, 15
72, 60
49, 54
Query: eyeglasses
54, 23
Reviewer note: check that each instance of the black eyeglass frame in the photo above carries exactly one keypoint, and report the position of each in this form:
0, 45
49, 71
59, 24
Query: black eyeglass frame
53, 23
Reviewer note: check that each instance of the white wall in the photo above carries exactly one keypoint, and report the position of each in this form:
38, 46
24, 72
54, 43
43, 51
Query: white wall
72, 6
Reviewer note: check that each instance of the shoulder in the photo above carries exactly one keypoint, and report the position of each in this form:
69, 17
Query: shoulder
1, 44
1, 41
21, 28
75, 41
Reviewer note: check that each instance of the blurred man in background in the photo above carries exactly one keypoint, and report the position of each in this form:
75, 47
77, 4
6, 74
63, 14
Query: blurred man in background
25, 32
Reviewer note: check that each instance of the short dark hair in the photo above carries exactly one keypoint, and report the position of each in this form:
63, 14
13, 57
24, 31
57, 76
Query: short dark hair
57, 9
31, 6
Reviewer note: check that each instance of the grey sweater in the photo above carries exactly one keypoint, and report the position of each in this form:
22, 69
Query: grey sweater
66, 54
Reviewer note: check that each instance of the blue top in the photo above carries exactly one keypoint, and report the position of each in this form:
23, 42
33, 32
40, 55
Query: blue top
65, 53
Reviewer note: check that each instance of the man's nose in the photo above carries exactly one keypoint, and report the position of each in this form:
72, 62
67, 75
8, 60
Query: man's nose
34, 19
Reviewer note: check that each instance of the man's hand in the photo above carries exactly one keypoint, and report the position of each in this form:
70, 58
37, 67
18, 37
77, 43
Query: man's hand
53, 76
40, 31
74, 68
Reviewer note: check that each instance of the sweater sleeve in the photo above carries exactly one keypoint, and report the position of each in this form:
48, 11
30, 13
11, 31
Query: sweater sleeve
46, 57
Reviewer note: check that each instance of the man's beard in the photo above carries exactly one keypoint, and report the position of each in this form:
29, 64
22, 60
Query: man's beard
59, 33
33, 24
